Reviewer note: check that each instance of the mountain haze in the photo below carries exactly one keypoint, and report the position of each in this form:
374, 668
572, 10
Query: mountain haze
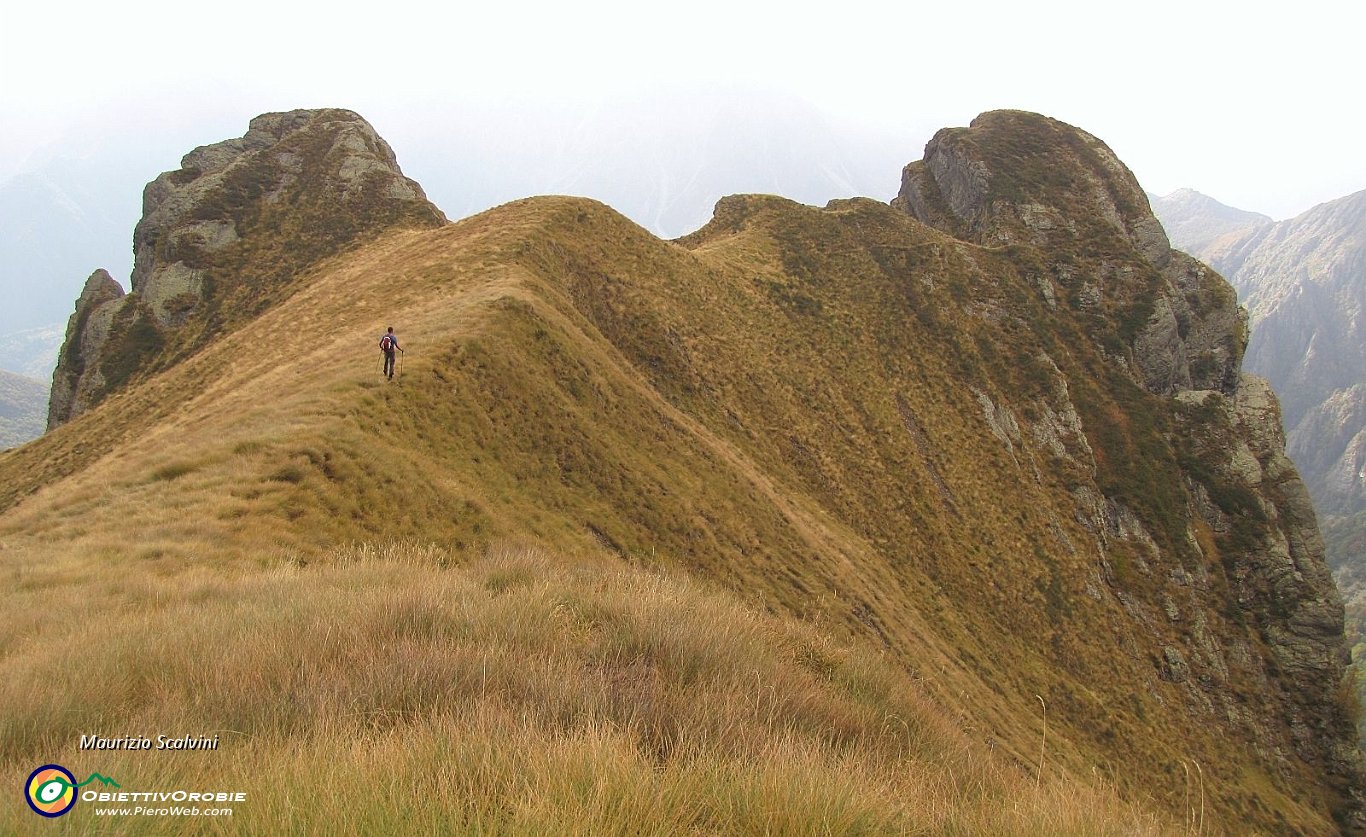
1201, 225
662, 160
56, 220
54, 226
22, 408
32, 352
1304, 282
993, 442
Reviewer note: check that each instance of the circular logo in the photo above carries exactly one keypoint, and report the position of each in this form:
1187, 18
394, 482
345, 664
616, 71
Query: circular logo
50, 790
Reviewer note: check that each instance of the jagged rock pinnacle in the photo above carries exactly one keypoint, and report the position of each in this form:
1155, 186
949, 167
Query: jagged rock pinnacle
226, 235
1017, 178
76, 375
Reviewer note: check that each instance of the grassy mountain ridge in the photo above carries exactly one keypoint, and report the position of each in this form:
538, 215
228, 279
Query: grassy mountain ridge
305, 450
841, 416
270, 462
518, 691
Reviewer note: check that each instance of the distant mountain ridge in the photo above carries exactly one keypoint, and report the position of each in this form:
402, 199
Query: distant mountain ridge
1201, 225
1304, 282
23, 409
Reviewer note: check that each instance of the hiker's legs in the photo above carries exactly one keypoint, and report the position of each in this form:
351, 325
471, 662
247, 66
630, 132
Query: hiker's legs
389, 364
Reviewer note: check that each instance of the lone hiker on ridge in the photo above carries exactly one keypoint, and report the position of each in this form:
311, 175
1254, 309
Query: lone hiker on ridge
389, 344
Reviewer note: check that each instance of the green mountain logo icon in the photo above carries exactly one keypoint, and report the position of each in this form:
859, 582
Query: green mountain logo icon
105, 780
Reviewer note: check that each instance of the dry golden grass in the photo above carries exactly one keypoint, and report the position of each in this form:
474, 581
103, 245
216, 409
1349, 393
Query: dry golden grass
772, 412
395, 688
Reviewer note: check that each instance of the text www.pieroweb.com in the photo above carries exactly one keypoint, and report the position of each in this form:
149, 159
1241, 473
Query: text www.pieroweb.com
153, 809
169, 811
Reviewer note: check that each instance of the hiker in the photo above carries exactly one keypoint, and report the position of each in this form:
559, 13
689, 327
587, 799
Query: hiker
389, 344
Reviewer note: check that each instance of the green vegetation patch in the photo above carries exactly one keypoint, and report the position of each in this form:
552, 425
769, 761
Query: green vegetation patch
134, 340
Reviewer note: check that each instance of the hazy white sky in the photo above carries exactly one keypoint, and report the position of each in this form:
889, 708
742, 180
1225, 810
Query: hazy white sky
1260, 105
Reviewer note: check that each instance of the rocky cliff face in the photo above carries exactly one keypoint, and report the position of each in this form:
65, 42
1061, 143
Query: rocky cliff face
1304, 283
225, 236
1056, 196
78, 376
1016, 179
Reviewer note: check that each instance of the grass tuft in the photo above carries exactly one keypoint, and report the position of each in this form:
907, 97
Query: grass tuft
518, 691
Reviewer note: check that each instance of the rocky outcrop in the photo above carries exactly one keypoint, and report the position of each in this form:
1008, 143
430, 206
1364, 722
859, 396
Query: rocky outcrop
1016, 178
1196, 334
330, 164
1251, 497
78, 374
1287, 570
1261, 624
1304, 283
227, 235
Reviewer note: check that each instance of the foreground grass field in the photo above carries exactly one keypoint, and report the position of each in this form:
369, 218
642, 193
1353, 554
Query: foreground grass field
402, 689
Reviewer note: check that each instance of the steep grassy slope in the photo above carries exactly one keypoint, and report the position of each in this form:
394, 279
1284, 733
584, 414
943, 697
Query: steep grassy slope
815, 409
405, 689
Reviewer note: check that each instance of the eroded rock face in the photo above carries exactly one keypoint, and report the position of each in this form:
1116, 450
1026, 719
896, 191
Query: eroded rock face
1207, 331
1016, 178
329, 161
1281, 578
1252, 632
1304, 283
77, 372
227, 235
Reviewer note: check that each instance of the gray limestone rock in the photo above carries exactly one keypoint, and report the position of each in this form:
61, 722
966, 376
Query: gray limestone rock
1160, 351
1196, 333
228, 233
1174, 666
194, 214
1023, 180
77, 375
